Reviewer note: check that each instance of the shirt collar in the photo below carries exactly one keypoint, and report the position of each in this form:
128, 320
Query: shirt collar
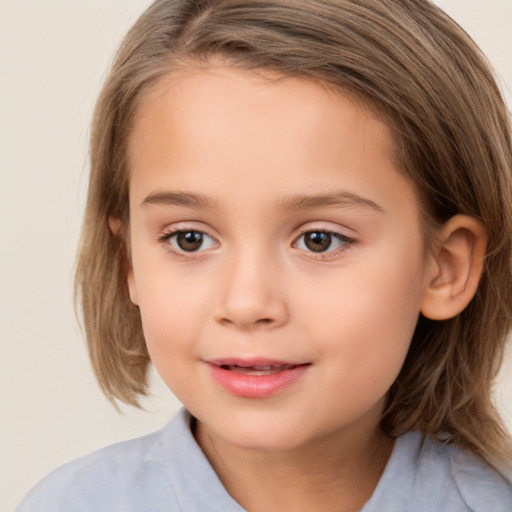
196, 485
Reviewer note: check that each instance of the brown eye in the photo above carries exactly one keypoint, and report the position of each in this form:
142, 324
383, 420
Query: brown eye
318, 241
189, 241
323, 241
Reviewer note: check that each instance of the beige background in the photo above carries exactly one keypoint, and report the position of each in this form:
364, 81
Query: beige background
53, 56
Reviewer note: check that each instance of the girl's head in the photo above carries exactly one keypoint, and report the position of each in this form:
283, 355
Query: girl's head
404, 89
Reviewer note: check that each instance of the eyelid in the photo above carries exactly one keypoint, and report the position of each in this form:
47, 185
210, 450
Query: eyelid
169, 232
349, 241
184, 226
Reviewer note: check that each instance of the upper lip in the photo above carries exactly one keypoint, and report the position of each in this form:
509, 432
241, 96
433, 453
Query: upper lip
256, 362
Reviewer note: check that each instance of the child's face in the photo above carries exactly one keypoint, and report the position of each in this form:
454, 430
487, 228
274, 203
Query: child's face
270, 227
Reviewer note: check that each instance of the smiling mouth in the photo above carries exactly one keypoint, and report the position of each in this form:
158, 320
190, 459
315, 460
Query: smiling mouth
258, 370
256, 379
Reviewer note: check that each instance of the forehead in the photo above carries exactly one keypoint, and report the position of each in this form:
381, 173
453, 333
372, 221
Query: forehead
211, 96
210, 127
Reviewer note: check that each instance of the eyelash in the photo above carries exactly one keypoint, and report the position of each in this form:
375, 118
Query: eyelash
346, 241
166, 238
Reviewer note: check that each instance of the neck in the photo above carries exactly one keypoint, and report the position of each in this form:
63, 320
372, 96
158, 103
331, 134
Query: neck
336, 472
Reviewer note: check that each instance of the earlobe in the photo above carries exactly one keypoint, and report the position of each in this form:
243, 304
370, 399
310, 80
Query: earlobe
130, 278
115, 225
456, 266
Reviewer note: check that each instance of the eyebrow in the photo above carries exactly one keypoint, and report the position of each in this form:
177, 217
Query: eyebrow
178, 199
337, 198
297, 202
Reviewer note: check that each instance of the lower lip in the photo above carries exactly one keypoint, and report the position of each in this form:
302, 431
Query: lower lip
257, 386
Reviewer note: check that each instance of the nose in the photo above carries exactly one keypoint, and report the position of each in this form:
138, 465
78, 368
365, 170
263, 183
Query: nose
252, 295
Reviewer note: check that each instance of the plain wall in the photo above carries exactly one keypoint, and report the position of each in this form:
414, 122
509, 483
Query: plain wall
53, 57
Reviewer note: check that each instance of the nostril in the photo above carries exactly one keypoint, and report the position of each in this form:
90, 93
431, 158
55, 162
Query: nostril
250, 310
259, 322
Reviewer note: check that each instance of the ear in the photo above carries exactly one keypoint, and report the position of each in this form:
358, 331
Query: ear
456, 266
116, 227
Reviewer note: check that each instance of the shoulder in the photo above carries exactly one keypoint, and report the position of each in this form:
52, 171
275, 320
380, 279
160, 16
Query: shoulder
457, 479
126, 476
427, 475
481, 487
164, 471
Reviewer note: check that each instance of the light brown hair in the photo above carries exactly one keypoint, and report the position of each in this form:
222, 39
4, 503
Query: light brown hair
433, 87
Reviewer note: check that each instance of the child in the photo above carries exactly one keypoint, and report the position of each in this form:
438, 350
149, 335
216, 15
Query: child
301, 212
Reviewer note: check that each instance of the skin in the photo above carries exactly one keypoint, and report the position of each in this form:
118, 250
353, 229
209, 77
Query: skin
255, 289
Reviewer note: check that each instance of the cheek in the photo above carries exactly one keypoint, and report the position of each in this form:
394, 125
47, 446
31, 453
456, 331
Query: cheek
365, 319
170, 324
172, 309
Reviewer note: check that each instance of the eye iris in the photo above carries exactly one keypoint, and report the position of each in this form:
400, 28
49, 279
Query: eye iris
318, 241
189, 240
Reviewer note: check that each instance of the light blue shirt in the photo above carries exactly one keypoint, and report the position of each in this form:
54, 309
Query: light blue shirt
167, 471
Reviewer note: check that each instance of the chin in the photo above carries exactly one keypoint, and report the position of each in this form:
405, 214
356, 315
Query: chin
256, 432
263, 440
